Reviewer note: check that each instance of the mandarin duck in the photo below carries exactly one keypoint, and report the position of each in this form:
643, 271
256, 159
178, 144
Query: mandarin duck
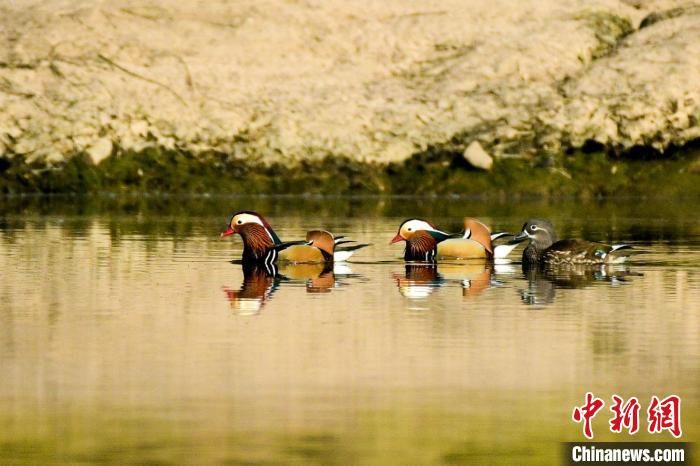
425, 242
422, 239
261, 244
476, 242
544, 249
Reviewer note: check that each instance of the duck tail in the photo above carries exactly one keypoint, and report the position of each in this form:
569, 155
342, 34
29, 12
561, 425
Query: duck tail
500, 234
619, 253
502, 250
284, 245
343, 253
338, 243
618, 247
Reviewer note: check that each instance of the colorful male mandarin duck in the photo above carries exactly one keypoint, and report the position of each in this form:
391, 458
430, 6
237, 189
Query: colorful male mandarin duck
261, 243
475, 243
424, 242
543, 248
422, 239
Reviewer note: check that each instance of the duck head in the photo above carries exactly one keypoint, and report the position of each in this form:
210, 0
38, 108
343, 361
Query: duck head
539, 232
477, 231
414, 227
421, 237
323, 240
257, 234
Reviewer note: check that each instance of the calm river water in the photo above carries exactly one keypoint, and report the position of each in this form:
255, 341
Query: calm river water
127, 335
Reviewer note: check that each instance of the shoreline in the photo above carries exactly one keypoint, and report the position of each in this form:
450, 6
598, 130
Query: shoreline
436, 172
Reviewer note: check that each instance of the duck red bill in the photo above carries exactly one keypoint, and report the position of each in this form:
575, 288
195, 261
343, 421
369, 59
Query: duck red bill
396, 239
229, 231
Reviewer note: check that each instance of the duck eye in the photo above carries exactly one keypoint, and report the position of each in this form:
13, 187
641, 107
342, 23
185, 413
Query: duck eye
408, 229
240, 222
533, 227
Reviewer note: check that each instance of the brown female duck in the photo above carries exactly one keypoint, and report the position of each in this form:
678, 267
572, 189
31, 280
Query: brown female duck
544, 249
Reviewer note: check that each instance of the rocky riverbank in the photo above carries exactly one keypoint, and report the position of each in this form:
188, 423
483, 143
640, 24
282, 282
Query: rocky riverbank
94, 94
433, 172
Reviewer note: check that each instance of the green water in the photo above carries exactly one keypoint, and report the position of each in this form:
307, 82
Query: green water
128, 336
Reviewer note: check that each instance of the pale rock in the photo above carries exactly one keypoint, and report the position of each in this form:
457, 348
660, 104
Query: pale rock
167, 142
397, 151
36, 156
25, 146
100, 150
13, 131
23, 123
139, 127
477, 156
54, 157
81, 141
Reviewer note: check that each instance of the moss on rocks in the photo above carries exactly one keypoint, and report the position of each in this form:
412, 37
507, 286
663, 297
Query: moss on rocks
609, 29
439, 170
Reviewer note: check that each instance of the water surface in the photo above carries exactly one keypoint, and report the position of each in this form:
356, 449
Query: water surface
126, 334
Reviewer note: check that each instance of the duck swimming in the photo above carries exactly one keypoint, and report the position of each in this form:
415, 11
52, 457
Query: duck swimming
544, 249
425, 242
476, 242
261, 244
422, 239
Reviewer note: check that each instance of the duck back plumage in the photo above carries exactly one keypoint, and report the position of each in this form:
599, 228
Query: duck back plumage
575, 251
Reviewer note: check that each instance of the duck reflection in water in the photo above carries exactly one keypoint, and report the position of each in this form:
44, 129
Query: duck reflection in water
474, 277
319, 278
542, 282
420, 280
260, 281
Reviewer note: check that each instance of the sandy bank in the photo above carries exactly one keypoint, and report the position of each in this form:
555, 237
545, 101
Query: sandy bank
373, 81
